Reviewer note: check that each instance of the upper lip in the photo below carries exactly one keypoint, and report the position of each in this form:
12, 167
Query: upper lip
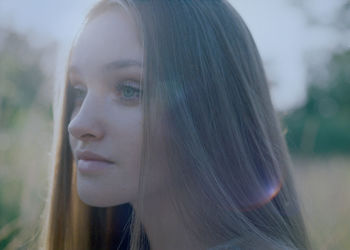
90, 156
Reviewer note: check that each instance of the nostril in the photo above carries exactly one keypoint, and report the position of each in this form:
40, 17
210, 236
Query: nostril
87, 136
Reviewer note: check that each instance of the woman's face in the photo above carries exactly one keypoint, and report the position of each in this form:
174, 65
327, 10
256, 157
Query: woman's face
105, 71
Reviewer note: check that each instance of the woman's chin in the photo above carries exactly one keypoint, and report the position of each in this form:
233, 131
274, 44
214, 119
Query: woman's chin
98, 200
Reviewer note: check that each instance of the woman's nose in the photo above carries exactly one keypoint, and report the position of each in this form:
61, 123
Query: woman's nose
86, 124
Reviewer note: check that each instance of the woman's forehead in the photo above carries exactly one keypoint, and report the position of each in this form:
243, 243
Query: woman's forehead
110, 36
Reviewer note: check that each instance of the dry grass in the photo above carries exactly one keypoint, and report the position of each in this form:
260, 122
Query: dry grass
324, 187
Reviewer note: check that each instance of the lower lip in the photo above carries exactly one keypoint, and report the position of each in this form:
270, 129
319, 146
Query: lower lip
93, 167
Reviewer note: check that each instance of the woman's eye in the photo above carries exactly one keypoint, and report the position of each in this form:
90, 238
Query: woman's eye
129, 91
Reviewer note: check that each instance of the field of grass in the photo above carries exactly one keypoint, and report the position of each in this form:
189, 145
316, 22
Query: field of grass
324, 187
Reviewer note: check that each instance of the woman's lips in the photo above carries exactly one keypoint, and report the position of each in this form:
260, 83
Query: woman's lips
91, 167
91, 163
91, 156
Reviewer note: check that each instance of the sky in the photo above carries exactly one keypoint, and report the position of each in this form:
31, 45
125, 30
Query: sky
291, 35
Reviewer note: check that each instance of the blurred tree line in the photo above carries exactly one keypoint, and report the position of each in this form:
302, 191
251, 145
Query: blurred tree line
322, 125
22, 90
21, 78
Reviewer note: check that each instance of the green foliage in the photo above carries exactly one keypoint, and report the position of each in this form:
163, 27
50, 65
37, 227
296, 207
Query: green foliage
20, 78
321, 125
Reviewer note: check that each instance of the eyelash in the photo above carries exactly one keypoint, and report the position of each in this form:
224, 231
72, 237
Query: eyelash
127, 85
79, 94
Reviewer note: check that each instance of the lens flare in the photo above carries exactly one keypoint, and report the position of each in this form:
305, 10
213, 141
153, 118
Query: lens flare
261, 198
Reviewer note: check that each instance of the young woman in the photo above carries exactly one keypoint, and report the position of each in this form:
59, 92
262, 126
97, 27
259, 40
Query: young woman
167, 138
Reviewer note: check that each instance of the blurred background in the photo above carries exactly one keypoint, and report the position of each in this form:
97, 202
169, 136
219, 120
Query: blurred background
305, 46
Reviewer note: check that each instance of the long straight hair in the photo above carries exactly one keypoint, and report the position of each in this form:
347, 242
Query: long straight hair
206, 101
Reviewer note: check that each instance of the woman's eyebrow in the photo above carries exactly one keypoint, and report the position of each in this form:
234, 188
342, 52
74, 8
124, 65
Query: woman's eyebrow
120, 64
114, 65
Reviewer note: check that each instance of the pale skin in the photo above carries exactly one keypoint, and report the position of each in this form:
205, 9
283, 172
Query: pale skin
108, 121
